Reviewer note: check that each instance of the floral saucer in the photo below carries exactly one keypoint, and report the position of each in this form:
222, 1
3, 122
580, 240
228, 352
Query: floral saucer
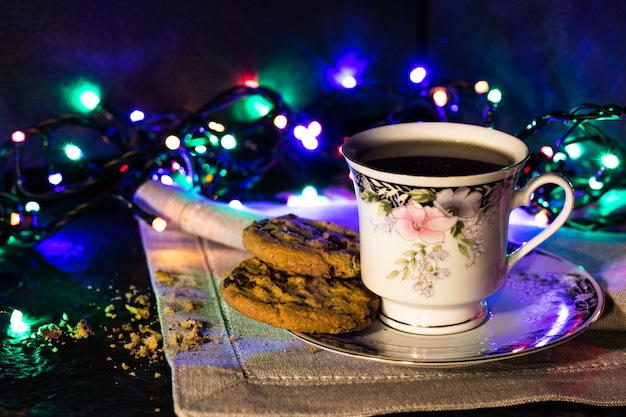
545, 300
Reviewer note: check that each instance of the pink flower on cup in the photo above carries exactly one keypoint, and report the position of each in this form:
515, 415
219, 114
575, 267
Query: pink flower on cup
425, 218
460, 202
414, 221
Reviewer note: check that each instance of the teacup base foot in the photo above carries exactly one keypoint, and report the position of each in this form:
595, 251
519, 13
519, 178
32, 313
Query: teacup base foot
433, 321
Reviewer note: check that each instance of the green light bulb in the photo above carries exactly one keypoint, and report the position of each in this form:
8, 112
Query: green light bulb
84, 96
32, 206
559, 156
574, 150
261, 108
228, 142
594, 184
258, 106
18, 325
73, 152
89, 99
610, 161
494, 95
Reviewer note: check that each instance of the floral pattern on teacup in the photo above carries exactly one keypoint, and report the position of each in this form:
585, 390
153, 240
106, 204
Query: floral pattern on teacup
425, 217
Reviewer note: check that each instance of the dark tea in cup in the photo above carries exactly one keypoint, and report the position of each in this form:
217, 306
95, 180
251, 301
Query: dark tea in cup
438, 159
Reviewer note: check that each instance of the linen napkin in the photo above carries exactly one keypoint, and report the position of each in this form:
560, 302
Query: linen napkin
225, 364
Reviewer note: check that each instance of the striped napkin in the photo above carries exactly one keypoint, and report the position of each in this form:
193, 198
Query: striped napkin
225, 364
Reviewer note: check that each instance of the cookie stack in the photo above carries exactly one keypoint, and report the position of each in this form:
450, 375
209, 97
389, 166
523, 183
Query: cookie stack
304, 277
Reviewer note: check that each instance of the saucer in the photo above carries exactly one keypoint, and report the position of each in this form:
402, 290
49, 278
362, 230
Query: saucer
545, 300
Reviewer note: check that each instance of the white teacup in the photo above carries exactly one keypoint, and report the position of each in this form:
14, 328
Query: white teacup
434, 231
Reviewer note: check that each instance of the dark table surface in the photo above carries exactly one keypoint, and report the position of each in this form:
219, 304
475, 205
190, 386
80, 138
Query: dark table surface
92, 269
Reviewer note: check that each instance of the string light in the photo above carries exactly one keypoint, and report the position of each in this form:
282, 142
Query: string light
308, 135
440, 96
228, 142
595, 184
573, 150
89, 99
172, 142
19, 327
17, 323
418, 75
584, 154
73, 152
84, 96
15, 219
494, 96
280, 121
215, 126
55, 178
348, 81
224, 158
251, 83
481, 87
547, 151
610, 161
236, 204
32, 206
136, 116
347, 72
542, 218
159, 224
559, 157
18, 136
201, 150
308, 197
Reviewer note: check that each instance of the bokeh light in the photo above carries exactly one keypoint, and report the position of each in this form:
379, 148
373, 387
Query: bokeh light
440, 96
73, 152
418, 75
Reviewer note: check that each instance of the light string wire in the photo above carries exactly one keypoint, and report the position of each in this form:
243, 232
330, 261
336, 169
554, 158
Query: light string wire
189, 148
141, 154
579, 154
246, 164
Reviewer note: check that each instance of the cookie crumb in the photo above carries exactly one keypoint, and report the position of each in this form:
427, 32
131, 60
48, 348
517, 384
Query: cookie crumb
163, 277
192, 337
189, 306
138, 312
109, 311
50, 331
82, 330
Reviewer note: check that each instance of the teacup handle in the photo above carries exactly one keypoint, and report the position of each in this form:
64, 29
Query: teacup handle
522, 198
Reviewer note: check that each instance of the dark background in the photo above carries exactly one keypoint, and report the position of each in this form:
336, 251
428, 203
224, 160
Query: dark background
164, 55
167, 55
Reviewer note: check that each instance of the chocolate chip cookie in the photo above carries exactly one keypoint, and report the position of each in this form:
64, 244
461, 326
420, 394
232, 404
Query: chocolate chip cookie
298, 302
304, 246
